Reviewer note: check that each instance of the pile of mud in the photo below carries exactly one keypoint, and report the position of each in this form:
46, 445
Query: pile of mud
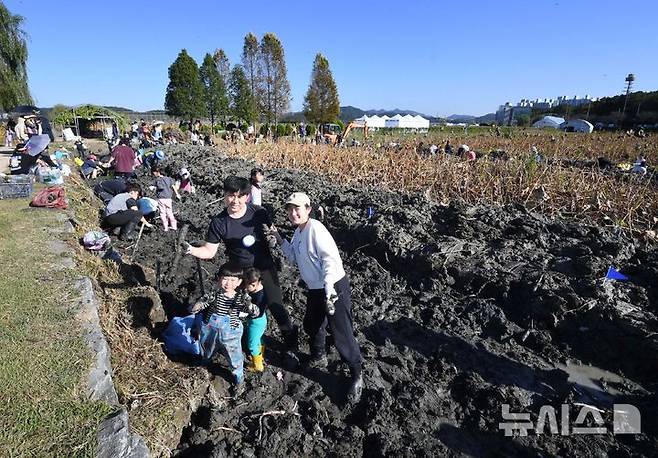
459, 310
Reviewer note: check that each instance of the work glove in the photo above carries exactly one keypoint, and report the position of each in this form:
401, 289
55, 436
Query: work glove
152, 188
245, 305
187, 248
268, 233
331, 298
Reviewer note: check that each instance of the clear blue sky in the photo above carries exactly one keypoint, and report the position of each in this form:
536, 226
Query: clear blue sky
435, 57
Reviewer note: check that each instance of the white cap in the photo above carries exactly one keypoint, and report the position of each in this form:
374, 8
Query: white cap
465, 148
184, 173
299, 199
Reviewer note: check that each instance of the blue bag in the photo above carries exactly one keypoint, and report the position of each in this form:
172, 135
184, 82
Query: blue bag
177, 338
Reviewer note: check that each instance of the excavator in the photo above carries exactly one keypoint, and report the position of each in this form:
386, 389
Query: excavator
334, 137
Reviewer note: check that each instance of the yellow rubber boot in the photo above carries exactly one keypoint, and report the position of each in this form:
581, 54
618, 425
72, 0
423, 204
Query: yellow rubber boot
256, 364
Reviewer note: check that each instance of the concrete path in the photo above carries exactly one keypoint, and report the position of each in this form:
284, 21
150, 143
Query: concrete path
5, 154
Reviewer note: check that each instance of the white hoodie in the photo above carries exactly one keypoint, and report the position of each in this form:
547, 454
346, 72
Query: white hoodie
314, 251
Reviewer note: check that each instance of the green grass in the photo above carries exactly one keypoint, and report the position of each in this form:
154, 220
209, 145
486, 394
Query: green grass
44, 359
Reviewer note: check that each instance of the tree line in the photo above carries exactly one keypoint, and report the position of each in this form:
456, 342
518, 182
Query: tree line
255, 90
13, 58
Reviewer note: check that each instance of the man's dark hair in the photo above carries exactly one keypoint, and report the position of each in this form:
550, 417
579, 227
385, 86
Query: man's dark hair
130, 187
255, 171
124, 141
251, 275
229, 270
156, 170
235, 184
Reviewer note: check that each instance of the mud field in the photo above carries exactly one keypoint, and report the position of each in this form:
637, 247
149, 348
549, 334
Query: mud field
458, 310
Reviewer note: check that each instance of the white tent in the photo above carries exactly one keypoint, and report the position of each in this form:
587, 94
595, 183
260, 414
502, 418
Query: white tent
578, 125
407, 122
421, 122
372, 121
394, 122
550, 122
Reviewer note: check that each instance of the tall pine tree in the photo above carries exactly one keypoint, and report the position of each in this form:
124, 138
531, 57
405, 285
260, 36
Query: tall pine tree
321, 104
243, 105
184, 96
250, 66
214, 90
273, 74
13, 58
222, 63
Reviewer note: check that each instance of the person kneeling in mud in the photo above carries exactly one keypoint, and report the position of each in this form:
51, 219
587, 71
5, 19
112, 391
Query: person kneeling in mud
220, 330
315, 253
256, 325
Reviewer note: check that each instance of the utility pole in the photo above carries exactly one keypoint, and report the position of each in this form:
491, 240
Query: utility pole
629, 84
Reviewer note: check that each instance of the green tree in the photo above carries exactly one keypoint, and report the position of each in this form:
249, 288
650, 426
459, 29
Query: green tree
243, 105
522, 120
214, 90
57, 111
321, 104
250, 66
13, 58
275, 87
184, 96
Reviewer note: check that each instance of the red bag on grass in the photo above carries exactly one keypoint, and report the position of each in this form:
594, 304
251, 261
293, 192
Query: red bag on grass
53, 197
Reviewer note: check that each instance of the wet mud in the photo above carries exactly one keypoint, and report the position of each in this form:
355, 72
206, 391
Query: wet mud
458, 309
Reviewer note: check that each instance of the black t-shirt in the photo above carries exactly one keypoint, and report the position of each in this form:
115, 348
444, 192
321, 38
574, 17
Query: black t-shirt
20, 163
235, 235
114, 187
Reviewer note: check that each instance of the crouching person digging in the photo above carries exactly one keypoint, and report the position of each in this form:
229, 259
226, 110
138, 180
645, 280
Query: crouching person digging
220, 329
315, 253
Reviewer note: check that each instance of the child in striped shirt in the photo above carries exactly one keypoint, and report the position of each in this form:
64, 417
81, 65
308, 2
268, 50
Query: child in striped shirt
220, 330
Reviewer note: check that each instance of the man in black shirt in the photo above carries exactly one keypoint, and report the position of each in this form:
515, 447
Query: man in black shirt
110, 188
239, 226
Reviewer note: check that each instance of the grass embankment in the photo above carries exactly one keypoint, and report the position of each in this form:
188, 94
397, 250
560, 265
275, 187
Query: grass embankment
44, 359
156, 391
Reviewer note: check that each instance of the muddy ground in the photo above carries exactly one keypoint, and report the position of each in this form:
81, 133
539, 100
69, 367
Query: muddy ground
458, 310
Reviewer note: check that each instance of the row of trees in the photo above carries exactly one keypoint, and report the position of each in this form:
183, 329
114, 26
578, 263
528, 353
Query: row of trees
257, 89
13, 58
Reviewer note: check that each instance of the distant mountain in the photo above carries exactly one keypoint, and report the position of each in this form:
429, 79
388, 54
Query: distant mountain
348, 113
461, 118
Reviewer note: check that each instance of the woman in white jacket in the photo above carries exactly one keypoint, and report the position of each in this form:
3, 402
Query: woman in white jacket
315, 253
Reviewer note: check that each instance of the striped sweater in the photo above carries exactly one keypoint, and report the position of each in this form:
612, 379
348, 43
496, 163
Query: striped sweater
217, 303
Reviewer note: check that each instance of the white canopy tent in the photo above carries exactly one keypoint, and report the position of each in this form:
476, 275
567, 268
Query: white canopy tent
550, 122
578, 125
373, 122
407, 122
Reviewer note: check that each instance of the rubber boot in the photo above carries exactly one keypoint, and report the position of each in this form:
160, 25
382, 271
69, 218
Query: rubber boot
356, 388
256, 364
291, 342
291, 339
127, 231
318, 362
262, 351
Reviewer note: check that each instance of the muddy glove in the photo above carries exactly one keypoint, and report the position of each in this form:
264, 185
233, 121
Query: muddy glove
331, 299
245, 305
186, 247
268, 233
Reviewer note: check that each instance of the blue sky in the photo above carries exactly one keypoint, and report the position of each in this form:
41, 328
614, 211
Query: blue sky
435, 57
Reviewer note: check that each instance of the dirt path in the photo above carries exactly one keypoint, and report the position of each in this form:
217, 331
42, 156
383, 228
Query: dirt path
5, 154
